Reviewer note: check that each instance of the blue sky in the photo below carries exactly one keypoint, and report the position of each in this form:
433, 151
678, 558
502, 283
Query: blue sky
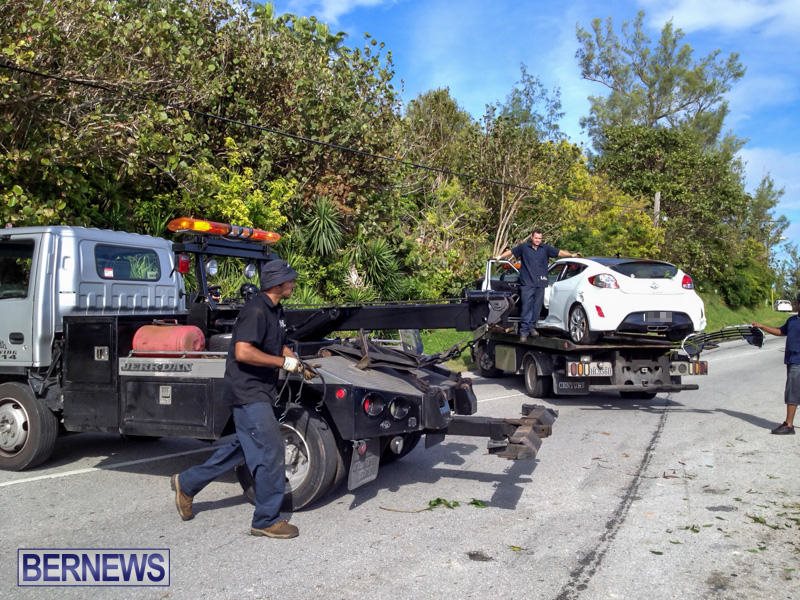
475, 48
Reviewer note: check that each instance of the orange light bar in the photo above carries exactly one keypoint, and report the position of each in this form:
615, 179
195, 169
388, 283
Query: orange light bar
184, 224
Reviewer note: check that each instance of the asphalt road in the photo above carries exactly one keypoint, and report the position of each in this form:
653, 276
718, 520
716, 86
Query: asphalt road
683, 496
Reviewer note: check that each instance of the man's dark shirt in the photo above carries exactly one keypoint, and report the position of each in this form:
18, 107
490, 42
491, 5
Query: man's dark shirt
534, 262
791, 329
261, 324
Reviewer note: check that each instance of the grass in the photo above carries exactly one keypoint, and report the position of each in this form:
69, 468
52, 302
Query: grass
718, 315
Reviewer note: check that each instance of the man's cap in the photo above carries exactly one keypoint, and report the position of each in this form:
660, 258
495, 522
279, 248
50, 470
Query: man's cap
276, 272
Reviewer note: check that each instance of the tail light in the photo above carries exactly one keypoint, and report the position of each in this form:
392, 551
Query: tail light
604, 280
373, 404
184, 263
687, 282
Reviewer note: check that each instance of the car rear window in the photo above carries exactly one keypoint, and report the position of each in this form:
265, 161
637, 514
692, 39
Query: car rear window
646, 269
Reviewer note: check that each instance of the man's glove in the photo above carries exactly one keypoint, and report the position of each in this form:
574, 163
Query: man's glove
292, 364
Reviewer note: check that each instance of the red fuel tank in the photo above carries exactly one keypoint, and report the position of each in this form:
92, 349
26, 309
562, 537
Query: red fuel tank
169, 338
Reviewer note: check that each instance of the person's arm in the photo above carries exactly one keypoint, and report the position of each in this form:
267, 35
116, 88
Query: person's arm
768, 329
505, 254
568, 254
247, 353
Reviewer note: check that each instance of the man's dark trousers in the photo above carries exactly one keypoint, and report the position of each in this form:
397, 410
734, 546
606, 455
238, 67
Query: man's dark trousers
532, 301
258, 443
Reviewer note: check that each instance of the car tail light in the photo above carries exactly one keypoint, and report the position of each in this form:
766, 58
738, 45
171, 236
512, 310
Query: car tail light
604, 280
341, 393
687, 283
373, 404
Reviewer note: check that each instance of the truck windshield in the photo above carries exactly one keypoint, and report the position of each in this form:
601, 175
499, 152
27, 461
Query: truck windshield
15, 268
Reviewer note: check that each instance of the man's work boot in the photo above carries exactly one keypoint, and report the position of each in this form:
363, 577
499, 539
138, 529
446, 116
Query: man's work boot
523, 338
281, 529
182, 502
783, 429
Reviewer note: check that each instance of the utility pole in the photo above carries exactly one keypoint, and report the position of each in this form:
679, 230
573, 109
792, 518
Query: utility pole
657, 208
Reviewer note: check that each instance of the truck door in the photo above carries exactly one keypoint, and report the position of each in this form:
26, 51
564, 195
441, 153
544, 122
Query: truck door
17, 264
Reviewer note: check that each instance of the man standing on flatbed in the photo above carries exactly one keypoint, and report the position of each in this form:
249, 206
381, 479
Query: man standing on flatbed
535, 257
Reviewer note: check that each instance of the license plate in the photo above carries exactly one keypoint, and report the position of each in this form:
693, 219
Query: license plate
572, 387
601, 369
655, 316
364, 467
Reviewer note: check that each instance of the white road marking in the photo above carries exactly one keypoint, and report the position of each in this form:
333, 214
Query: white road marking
104, 468
502, 397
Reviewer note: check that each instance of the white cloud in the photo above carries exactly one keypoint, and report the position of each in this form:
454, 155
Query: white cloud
755, 94
329, 11
775, 16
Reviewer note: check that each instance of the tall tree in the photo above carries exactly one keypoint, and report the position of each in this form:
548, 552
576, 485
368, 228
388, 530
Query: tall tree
654, 85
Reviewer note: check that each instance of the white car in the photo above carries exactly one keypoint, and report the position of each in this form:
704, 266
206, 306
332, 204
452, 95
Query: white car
783, 305
589, 297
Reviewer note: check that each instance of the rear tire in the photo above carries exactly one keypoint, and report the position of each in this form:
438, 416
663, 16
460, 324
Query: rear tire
311, 460
28, 429
538, 386
484, 360
579, 327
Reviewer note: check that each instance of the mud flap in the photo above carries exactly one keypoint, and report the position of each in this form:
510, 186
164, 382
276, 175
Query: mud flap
364, 463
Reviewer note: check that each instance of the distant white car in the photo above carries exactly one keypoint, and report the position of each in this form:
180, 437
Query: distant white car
589, 297
783, 305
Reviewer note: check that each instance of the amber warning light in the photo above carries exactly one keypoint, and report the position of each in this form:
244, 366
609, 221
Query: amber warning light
187, 224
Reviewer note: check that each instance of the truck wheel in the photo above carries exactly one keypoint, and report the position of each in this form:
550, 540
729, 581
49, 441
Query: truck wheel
484, 359
637, 395
410, 441
579, 327
311, 459
538, 386
28, 429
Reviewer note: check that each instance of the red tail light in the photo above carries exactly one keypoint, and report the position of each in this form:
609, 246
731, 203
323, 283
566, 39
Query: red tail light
604, 280
687, 283
184, 263
599, 311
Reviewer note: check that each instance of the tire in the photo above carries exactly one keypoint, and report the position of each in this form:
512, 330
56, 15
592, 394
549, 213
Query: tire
410, 441
311, 460
637, 395
28, 429
484, 360
538, 386
579, 327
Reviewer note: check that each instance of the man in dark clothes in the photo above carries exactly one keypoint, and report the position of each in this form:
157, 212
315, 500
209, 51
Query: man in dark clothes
791, 358
535, 257
258, 350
